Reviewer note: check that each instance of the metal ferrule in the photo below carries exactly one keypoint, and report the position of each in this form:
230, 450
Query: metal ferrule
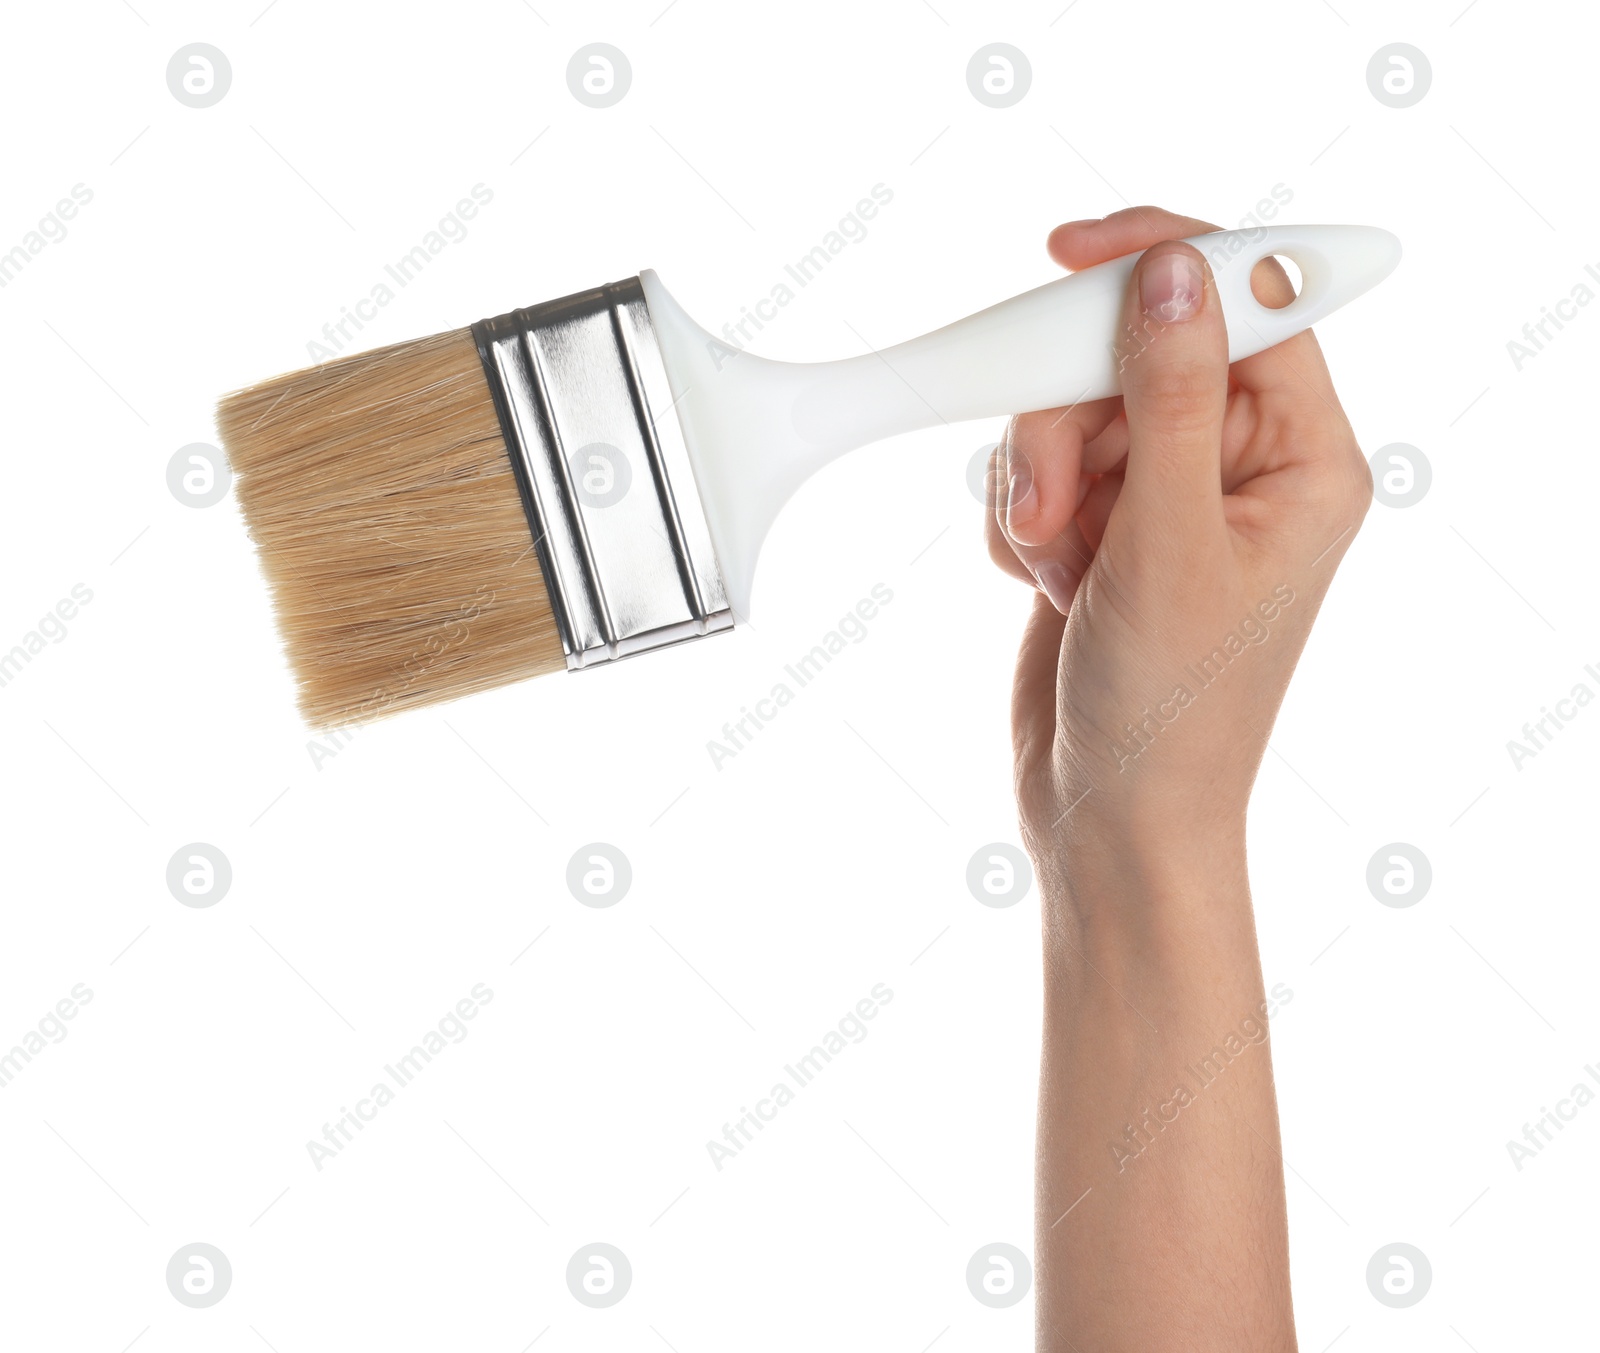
605, 477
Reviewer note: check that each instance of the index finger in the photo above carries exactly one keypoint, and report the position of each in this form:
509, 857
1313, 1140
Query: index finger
1081, 244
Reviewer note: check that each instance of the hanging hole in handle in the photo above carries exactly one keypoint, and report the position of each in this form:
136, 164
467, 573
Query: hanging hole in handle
1268, 286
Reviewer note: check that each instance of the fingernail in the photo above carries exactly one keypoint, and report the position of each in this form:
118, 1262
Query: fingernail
1079, 225
1020, 505
1056, 582
1171, 287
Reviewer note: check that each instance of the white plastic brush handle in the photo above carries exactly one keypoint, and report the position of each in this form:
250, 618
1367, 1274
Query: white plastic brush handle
757, 429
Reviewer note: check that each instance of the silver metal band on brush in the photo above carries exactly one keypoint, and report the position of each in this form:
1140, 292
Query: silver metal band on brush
605, 477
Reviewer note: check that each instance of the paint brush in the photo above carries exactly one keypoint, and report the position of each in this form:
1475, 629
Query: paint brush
593, 477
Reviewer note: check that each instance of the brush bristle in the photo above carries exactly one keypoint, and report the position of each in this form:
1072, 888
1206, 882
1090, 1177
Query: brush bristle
380, 495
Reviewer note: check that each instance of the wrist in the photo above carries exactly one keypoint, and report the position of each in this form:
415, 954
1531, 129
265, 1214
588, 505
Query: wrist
1148, 884
1156, 847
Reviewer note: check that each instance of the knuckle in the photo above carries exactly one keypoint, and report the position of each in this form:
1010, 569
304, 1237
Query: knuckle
1110, 583
1001, 553
1360, 480
1182, 395
1351, 475
994, 539
993, 479
1345, 487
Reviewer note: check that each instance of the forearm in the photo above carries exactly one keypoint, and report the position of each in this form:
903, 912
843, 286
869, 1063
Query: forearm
1160, 1208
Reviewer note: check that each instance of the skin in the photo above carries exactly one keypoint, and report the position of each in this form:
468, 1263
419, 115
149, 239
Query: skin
1206, 502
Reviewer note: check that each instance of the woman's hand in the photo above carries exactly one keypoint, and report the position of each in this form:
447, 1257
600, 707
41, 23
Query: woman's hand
1182, 538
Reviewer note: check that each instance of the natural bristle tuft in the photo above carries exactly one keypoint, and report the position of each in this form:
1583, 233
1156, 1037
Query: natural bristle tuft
380, 494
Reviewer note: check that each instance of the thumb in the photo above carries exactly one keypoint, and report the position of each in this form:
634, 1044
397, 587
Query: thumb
1173, 359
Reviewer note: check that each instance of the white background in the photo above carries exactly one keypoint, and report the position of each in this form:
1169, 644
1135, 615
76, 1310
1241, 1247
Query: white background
372, 890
